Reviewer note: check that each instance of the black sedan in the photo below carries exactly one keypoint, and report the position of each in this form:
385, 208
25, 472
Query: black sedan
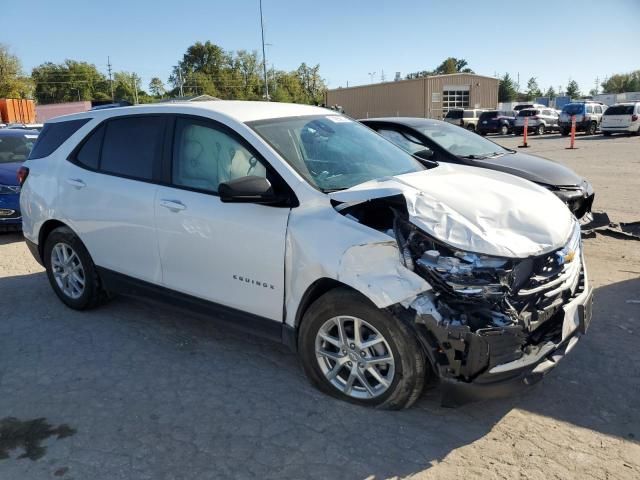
442, 142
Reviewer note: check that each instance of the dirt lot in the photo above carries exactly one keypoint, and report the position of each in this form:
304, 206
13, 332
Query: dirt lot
138, 392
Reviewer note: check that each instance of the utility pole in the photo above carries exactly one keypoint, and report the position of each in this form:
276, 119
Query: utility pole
110, 80
181, 82
264, 57
597, 84
382, 76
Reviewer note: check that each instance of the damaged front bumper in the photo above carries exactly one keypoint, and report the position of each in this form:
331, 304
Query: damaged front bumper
497, 362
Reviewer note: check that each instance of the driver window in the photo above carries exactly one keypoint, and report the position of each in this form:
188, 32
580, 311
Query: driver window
204, 157
404, 141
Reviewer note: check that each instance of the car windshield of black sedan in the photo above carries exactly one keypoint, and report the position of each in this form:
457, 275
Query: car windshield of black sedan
333, 152
461, 142
15, 148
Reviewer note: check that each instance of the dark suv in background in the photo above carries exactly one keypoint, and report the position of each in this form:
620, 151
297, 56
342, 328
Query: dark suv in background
495, 121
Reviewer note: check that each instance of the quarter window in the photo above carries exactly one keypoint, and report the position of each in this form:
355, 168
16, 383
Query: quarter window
89, 153
204, 157
53, 135
132, 146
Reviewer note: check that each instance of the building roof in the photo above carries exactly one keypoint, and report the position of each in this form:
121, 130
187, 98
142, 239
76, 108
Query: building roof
241, 111
416, 79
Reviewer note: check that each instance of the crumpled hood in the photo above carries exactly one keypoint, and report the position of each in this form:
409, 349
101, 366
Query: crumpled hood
531, 167
475, 210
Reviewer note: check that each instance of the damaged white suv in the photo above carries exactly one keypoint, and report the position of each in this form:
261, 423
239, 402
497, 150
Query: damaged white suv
382, 270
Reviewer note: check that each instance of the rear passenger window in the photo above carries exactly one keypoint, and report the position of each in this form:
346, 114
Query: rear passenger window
132, 146
89, 154
53, 135
589, 109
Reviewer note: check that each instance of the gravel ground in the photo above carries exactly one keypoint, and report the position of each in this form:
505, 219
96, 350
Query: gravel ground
141, 392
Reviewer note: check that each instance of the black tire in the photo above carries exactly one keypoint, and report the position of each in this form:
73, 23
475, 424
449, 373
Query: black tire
471, 127
539, 130
564, 132
410, 363
591, 129
608, 134
92, 294
504, 130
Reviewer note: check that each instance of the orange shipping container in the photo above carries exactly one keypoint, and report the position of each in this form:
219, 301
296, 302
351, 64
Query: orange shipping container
17, 110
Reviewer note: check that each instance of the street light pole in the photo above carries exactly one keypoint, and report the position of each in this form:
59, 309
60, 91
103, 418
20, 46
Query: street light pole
264, 58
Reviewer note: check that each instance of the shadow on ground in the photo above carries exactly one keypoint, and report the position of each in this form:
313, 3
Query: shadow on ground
151, 390
10, 237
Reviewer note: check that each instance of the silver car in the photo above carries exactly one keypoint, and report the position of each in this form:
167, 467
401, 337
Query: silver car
540, 120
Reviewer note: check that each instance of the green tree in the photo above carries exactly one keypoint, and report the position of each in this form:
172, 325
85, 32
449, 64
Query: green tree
551, 93
573, 90
506, 89
156, 87
69, 81
13, 84
448, 66
533, 90
622, 82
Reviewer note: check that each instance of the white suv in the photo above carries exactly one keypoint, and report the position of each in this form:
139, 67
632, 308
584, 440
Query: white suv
621, 118
296, 222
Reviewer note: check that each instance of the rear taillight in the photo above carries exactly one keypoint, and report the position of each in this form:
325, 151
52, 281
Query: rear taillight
22, 174
634, 117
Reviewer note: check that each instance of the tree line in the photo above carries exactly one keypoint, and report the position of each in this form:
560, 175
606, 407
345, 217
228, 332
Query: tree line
509, 91
205, 69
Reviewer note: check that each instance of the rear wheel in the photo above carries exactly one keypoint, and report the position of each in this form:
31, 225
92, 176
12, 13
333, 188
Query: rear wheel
356, 352
504, 130
71, 271
471, 127
540, 129
591, 129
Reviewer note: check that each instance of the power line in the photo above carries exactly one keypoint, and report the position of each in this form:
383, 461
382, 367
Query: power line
110, 79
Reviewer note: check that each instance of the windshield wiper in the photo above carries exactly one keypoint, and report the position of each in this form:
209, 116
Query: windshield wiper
486, 155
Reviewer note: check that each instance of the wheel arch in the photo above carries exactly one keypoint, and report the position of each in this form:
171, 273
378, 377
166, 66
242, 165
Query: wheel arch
46, 228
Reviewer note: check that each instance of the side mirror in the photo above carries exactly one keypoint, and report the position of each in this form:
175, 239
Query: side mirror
425, 154
249, 189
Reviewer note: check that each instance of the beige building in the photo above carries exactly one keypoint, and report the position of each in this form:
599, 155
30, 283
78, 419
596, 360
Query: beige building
428, 97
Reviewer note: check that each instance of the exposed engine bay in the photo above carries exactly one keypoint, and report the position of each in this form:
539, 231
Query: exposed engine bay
482, 311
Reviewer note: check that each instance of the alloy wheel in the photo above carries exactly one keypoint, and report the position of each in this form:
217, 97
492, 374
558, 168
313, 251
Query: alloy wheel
354, 357
68, 271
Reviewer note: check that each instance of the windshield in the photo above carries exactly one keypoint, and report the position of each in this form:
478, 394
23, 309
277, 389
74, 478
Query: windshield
460, 142
619, 110
16, 148
333, 152
488, 115
573, 108
454, 114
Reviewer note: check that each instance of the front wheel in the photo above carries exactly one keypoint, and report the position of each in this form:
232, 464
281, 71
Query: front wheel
539, 130
356, 352
71, 271
504, 130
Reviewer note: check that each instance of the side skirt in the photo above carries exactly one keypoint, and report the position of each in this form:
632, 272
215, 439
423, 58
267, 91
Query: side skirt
254, 324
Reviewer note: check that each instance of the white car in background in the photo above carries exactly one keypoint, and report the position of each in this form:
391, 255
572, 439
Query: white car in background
539, 120
621, 118
380, 269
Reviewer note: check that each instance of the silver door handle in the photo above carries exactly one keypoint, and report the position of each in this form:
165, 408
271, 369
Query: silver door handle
173, 205
76, 182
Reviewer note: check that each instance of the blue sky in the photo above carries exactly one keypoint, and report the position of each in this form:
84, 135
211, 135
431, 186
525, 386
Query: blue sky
552, 40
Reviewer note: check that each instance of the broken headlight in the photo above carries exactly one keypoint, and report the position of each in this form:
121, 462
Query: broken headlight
466, 274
